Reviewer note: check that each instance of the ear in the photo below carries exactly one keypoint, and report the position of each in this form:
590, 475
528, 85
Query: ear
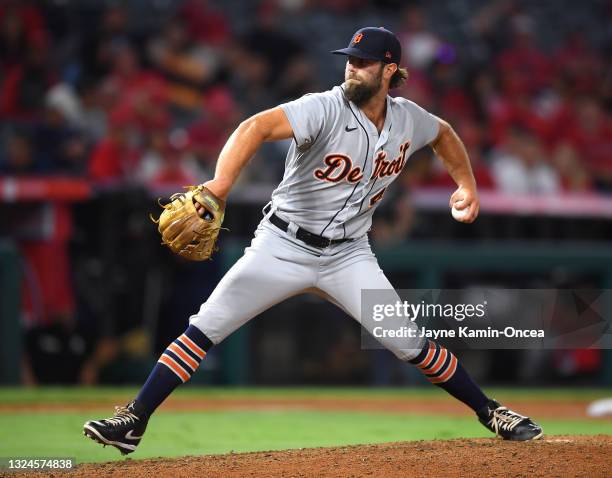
390, 69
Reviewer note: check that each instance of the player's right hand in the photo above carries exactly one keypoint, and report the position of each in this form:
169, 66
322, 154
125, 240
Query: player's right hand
466, 198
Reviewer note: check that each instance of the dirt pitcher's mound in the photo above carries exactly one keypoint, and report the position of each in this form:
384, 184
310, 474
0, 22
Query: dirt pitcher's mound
585, 456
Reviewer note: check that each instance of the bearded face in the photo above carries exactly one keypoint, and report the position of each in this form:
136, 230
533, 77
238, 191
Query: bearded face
360, 86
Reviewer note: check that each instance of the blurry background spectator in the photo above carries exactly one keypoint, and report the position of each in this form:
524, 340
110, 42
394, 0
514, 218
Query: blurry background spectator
519, 166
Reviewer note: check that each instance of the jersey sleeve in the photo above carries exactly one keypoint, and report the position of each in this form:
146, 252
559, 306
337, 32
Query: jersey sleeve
307, 117
426, 125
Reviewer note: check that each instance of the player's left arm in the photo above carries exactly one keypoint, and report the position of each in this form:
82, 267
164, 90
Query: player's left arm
450, 149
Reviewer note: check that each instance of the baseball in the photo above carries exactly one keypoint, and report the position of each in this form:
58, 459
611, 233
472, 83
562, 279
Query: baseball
459, 214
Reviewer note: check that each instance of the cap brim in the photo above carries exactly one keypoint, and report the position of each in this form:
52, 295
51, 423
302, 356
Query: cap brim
350, 51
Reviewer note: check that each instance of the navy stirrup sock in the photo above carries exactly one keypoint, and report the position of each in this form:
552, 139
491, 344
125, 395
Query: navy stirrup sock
175, 366
442, 368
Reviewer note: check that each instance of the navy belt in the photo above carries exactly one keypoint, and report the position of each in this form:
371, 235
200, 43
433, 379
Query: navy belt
303, 235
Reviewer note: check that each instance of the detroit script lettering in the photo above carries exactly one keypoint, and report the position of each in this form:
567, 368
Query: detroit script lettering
339, 167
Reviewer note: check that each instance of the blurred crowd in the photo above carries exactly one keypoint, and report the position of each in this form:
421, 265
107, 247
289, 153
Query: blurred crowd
534, 120
148, 92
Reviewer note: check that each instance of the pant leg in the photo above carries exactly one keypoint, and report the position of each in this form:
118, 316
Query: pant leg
345, 276
271, 270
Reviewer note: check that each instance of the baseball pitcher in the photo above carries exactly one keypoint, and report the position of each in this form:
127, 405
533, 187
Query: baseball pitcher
349, 144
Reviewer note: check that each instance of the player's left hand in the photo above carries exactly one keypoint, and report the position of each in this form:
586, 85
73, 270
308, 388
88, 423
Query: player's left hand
189, 225
466, 199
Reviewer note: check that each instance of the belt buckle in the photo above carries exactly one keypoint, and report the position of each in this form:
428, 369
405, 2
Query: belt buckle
329, 242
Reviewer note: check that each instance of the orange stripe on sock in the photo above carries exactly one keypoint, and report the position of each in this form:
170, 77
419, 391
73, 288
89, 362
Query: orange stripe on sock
176, 368
435, 368
450, 371
428, 357
188, 360
191, 345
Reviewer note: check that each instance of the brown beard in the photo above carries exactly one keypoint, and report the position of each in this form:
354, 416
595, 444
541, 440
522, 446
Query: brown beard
360, 93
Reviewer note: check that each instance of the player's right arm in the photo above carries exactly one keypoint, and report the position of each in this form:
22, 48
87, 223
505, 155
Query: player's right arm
269, 125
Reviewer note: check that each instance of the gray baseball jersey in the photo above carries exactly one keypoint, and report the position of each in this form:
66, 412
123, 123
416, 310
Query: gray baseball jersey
338, 166
337, 171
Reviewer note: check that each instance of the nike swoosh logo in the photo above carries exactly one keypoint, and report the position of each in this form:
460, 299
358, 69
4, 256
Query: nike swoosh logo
348, 130
129, 436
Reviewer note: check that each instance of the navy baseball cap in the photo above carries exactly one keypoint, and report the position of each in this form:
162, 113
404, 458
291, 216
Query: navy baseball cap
372, 43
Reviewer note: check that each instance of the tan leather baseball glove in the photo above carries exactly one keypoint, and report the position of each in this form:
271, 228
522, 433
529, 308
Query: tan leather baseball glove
184, 231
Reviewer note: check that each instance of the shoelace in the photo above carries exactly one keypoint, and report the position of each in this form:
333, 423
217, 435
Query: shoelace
504, 419
123, 416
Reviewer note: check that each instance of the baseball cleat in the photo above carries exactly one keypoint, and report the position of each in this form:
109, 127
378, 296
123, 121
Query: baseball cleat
123, 431
507, 424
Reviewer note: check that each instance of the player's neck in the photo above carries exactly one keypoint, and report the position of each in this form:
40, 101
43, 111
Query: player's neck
375, 109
